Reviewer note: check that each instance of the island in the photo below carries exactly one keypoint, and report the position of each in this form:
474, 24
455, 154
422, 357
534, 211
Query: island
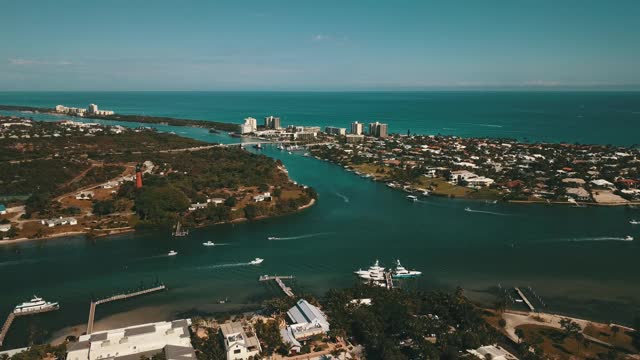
68, 178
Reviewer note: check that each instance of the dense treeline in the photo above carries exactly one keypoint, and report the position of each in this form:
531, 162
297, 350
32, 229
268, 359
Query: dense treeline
408, 325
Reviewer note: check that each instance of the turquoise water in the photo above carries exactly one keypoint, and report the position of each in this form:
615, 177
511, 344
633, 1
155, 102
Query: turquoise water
572, 257
587, 117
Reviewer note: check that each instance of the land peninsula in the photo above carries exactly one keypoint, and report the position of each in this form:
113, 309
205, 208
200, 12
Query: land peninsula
69, 178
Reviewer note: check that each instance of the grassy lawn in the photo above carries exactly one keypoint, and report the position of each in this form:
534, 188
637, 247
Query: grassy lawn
556, 346
621, 339
443, 188
371, 169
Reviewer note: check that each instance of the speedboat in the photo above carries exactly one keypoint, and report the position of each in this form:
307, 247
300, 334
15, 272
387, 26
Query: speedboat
467, 209
208, 243
401, 272
35, 305
172, 253
634, 222
412, 198
256, 261
273, 238
628, 238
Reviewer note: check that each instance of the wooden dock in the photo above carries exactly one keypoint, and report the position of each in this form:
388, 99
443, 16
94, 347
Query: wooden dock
388, 279
12, 316
94, 304
524, 298
278, 279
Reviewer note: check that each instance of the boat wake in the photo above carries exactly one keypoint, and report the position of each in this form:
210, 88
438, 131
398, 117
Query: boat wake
485, 125
17, 262
486, 212
601, 238
346, 199
306, 236
221, 266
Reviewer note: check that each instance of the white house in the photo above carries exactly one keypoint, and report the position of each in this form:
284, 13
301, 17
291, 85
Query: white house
262, 197
494, 352
5, 227
459, 175
479, 181
602, 183
237, 343
171, 338
85, 195
307, 320
59, 221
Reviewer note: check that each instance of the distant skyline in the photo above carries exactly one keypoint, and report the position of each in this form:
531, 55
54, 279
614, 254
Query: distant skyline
72, 45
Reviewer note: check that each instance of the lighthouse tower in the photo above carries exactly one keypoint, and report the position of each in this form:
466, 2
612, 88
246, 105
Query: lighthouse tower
138, 176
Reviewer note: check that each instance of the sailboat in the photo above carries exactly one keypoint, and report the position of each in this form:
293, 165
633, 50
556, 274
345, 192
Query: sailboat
179, 231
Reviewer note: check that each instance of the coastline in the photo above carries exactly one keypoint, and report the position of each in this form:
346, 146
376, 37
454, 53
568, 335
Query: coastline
132, 230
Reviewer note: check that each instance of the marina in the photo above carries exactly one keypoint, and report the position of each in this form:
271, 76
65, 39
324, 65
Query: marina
34, 306
278, 279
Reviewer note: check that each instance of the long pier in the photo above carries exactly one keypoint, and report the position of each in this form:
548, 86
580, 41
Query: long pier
12, 316
94, 304
278, 279
524, 298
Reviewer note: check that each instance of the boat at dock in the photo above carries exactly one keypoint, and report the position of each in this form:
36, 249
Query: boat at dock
374, 273
401, 272
256, 261
36, 304
208, 243
172, 253
412, 198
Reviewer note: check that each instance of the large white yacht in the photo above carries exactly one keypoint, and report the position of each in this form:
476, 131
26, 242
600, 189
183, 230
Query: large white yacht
401, 272
35, 304
375, 272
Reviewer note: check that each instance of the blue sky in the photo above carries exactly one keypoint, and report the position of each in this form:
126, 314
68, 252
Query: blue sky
318, 45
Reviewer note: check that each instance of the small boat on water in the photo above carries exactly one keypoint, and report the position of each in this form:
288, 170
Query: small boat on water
172, 253
628, 238
258, 146
35, 305
208, 243
467, 209
634, 222
256, 261
401, 272
273, 238
412, 198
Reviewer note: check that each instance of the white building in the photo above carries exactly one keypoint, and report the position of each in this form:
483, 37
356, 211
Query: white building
307, 320
494, 352
357, 128
461, 175
5, 227
133, 342
272, 122
250, 125
332, 130
479, 181
59, 221
237, 343
262, 197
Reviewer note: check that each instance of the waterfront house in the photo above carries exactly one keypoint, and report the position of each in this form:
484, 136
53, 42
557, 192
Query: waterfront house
171, 339
579, 193
493, 352
306, 320
237, 342
59, 221
197, 206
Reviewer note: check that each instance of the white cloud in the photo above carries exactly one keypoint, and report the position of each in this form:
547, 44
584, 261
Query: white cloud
26, 62
320, 37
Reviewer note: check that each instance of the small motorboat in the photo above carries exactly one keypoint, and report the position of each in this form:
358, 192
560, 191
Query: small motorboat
256, 261
412, 198
634, 222
208, 243
172, 253
467, 209
628, 238
273, 238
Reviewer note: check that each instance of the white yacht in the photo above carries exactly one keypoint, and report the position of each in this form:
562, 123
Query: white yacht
375, 272
401, 272
412, 198
634, 222
172, 253
35, 304
628, 238
208, 243
256, 261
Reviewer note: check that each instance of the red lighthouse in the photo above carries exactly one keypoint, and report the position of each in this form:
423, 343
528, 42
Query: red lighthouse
138, 176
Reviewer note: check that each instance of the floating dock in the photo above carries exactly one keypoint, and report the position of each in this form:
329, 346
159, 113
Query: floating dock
94, 304
278, 279
12, 316
524, 298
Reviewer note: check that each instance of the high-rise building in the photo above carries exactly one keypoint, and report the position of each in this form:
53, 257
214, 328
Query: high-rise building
378, 130
332, 130
250, 125
93, 108
272, 122
357, 128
